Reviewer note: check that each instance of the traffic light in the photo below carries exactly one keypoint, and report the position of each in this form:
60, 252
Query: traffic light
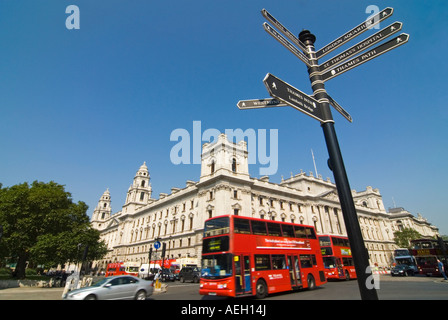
150, 254
163, 249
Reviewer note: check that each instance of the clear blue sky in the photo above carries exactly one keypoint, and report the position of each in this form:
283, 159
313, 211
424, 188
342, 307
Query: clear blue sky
86, 107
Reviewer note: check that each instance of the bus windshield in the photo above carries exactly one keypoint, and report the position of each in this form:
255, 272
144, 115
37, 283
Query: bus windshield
329, 262
217, 266
217, 227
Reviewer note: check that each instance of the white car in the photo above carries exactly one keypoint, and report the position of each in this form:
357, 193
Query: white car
113, 288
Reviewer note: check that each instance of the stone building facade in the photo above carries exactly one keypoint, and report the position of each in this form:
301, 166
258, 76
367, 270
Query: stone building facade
225, 187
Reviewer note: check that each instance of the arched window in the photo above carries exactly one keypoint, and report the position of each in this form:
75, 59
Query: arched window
233, 165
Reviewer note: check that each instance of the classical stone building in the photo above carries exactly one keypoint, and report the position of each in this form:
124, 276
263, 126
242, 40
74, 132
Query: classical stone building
225, 187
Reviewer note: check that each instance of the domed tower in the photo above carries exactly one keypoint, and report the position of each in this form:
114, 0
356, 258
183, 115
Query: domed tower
140, 190
102, 211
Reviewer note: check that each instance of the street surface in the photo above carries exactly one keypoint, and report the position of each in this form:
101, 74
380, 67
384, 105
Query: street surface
391, 288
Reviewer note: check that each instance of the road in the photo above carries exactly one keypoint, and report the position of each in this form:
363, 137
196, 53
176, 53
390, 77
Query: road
391, 288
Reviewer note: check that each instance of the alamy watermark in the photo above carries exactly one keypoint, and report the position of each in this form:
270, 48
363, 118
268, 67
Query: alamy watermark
188, 148
373, 280
73, 21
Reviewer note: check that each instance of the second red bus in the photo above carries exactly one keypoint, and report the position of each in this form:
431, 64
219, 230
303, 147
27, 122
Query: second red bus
337, 257
120, 268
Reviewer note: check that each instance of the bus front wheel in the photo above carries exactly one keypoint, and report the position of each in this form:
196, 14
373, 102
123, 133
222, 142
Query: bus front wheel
261, 289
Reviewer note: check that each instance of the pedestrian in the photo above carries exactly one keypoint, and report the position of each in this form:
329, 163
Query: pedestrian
441, 269
158, 275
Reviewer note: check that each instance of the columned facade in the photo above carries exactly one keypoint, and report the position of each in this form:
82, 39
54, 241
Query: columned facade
225, 187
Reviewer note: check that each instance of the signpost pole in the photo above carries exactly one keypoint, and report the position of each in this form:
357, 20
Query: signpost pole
336, 164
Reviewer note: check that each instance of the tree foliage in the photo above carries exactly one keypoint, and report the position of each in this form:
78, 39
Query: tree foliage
42, 225
403, 238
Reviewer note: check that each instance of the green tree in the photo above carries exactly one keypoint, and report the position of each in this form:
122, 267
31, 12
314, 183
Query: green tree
42, 225
403, 238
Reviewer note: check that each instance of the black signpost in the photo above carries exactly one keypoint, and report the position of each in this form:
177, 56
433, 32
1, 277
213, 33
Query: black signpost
318, 107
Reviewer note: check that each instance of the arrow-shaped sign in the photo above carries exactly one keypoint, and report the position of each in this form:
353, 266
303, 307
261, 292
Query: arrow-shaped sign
356, 31
283, 30
364, 57
361, 46
288, 45
341, 110
260, 103
293, 97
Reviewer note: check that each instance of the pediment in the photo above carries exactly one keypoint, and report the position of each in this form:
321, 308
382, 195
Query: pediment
330, 195
113, 223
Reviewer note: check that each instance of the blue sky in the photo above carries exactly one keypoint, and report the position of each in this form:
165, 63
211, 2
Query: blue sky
86, 107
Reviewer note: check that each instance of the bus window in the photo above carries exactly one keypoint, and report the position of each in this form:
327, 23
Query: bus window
217, 266
307, 260
300, 232
262, 262
324, 241
288, 230
278, 262
274, 229
216, 227
259, 228
241, 225
310, 234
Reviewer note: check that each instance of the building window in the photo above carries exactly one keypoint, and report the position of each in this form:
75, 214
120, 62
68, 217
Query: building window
235, 194
234, 165
210, 214
212, 167
236, 211
142, 196
143, 183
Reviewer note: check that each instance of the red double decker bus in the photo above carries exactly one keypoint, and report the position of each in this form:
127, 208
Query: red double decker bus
427, 252
337, 257
120, 268
244, 256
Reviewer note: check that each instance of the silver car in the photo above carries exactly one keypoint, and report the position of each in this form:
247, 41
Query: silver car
112, 288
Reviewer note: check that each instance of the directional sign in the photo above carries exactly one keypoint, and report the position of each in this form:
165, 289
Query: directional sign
293, 97
361, 46
356, 31
157, 245
364, 57
288, 45
341, 110
283, 30
260, 103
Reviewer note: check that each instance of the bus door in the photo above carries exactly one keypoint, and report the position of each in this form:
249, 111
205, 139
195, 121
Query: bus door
339, 267
294, 271
242, 274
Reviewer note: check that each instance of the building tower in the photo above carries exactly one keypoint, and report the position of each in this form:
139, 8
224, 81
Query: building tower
224, 157
102, 211
139, 192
